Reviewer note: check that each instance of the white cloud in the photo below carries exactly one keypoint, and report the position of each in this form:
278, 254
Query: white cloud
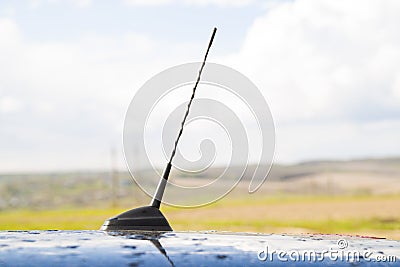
8, 31
322, 59
9, 105
221, 3
322, 64
59, 99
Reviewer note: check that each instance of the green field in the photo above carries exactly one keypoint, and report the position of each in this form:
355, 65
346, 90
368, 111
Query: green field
360, 197
356, 215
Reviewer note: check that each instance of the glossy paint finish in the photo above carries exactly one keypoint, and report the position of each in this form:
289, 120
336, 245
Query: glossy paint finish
97, 248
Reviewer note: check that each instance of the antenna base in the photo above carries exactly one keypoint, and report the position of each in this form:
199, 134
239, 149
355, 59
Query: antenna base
146, 218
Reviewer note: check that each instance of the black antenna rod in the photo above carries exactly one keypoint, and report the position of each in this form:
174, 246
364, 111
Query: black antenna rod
156, 201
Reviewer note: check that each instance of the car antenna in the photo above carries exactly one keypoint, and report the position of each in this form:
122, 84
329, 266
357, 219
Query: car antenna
150, 218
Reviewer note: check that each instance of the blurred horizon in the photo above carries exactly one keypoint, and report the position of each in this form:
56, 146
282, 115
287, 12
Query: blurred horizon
111, 168
342, 197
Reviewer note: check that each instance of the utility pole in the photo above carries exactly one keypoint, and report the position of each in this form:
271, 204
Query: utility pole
114, 178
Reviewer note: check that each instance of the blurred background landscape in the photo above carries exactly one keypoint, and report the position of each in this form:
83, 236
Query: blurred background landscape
328, 69
359, 197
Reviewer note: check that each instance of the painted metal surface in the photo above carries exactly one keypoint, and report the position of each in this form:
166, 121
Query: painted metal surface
97, 248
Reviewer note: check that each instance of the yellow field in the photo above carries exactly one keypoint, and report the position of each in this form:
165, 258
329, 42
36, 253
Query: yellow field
357, 215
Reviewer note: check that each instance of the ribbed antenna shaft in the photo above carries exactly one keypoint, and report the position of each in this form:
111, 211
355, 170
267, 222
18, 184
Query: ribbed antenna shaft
156, 201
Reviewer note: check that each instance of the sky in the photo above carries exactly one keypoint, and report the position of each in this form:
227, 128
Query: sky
329, 70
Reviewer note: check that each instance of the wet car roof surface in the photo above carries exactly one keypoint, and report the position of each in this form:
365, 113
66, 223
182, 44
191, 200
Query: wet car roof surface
97, 248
